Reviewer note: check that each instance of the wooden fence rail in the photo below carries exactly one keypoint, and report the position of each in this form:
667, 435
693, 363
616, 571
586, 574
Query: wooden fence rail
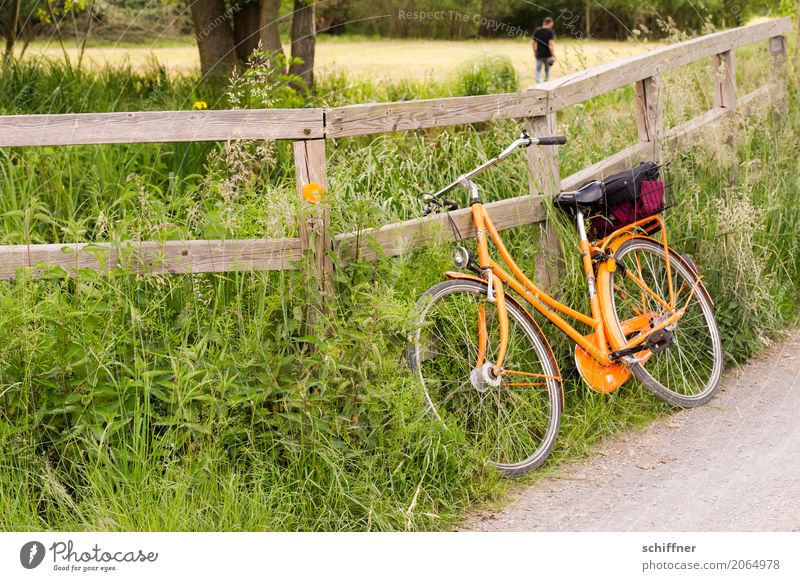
310, 128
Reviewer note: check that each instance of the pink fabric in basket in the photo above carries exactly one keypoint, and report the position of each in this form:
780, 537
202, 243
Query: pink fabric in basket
649, 202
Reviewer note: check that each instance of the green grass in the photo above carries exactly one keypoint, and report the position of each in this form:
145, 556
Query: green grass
192, 402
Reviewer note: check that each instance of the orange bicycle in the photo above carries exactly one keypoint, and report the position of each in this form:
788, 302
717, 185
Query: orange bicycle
486, 367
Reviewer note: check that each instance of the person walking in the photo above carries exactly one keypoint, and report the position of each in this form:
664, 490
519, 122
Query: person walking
544, 48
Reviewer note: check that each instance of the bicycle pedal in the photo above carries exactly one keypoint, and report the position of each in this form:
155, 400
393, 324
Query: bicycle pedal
659, 340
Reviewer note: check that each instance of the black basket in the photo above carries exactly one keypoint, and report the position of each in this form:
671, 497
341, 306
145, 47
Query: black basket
629, 196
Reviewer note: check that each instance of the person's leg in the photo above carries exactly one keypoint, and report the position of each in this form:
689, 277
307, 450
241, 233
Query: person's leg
539, 65
546, 70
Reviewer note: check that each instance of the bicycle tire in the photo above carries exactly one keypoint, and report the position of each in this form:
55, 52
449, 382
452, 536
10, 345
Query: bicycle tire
696, 339
418, 354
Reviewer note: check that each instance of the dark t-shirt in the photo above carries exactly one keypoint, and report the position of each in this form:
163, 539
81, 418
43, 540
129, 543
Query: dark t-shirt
542, 36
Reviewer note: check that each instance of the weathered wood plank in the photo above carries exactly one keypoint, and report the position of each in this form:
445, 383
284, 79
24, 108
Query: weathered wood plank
725, 80
725, 98
171, 257
649, 114
399, 238
198, 256
396, 239
777, 74
649, 117
160, 126
310, 164
585, 85
405, 115
688, 133
756, 99
627, 157
545, 180
683, 135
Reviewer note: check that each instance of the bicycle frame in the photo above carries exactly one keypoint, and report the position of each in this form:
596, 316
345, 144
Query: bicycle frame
600, 344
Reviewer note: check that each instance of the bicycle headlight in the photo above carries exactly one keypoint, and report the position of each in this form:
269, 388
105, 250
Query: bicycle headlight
460, 257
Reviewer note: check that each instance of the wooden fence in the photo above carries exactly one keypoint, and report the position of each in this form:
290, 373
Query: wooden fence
310, 128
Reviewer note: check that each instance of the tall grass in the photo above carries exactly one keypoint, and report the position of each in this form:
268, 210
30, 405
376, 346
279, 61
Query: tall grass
192, 402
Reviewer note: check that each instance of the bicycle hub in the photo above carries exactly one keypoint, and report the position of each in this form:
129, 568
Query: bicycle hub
482, 378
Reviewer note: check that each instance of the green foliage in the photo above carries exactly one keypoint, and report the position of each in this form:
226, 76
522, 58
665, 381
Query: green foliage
491, 74
257, 86
505, 18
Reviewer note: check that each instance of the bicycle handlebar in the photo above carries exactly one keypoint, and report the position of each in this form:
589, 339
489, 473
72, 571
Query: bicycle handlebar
552, 140
463, 180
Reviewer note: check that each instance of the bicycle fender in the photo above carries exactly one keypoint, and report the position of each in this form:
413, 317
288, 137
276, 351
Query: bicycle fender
463, 276
603, 281
617, 242
673, 255
451, 275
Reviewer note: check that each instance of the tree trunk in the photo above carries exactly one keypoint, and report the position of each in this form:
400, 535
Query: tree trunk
246, 27
270, 36
11, 35
87, 32
486, 13
304, 32
588, 19
214, 34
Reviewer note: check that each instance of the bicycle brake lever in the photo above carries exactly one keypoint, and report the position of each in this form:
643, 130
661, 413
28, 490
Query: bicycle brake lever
431, 204
449, 205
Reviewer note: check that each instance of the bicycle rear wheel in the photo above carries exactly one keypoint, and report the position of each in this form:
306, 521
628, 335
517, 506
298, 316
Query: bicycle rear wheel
687, 370
512, 419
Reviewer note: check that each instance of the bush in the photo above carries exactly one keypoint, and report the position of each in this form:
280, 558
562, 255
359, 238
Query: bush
489, 75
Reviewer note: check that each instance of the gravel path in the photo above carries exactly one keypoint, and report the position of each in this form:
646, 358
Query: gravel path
731, 465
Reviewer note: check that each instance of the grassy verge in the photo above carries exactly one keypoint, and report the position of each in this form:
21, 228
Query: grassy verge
192, 402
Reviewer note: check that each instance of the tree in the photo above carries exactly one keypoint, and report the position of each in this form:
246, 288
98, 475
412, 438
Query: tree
227, 36
246, 28
11, 34
304, 32
215, 39
587, 18
270, 36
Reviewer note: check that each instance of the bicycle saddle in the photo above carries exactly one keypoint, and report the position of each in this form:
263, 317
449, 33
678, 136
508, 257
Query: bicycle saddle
588, 195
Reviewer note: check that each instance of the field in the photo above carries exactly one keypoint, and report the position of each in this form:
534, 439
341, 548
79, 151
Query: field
193, 402
387, 60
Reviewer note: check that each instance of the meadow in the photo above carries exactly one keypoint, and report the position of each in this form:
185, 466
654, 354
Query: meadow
360, 57
193, 402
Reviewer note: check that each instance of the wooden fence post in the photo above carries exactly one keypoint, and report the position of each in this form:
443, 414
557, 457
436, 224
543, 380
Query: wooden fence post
649, 115
777, 73
724, 65
312, 185
546, 180
725, 80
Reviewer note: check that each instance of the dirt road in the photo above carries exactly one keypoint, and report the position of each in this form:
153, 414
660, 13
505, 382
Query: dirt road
732, 465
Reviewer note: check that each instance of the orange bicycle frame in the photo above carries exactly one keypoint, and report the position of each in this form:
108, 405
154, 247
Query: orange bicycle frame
600, 342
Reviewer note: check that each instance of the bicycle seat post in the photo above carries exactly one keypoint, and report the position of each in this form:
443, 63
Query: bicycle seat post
581, 225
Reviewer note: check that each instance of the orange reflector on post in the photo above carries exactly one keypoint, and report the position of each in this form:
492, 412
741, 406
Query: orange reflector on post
312, 192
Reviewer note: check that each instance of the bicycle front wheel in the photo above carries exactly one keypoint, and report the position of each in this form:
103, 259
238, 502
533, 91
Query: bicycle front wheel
686, 369
511, 419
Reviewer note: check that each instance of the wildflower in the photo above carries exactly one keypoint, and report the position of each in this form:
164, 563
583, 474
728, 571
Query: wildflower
313, 192
200, 105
